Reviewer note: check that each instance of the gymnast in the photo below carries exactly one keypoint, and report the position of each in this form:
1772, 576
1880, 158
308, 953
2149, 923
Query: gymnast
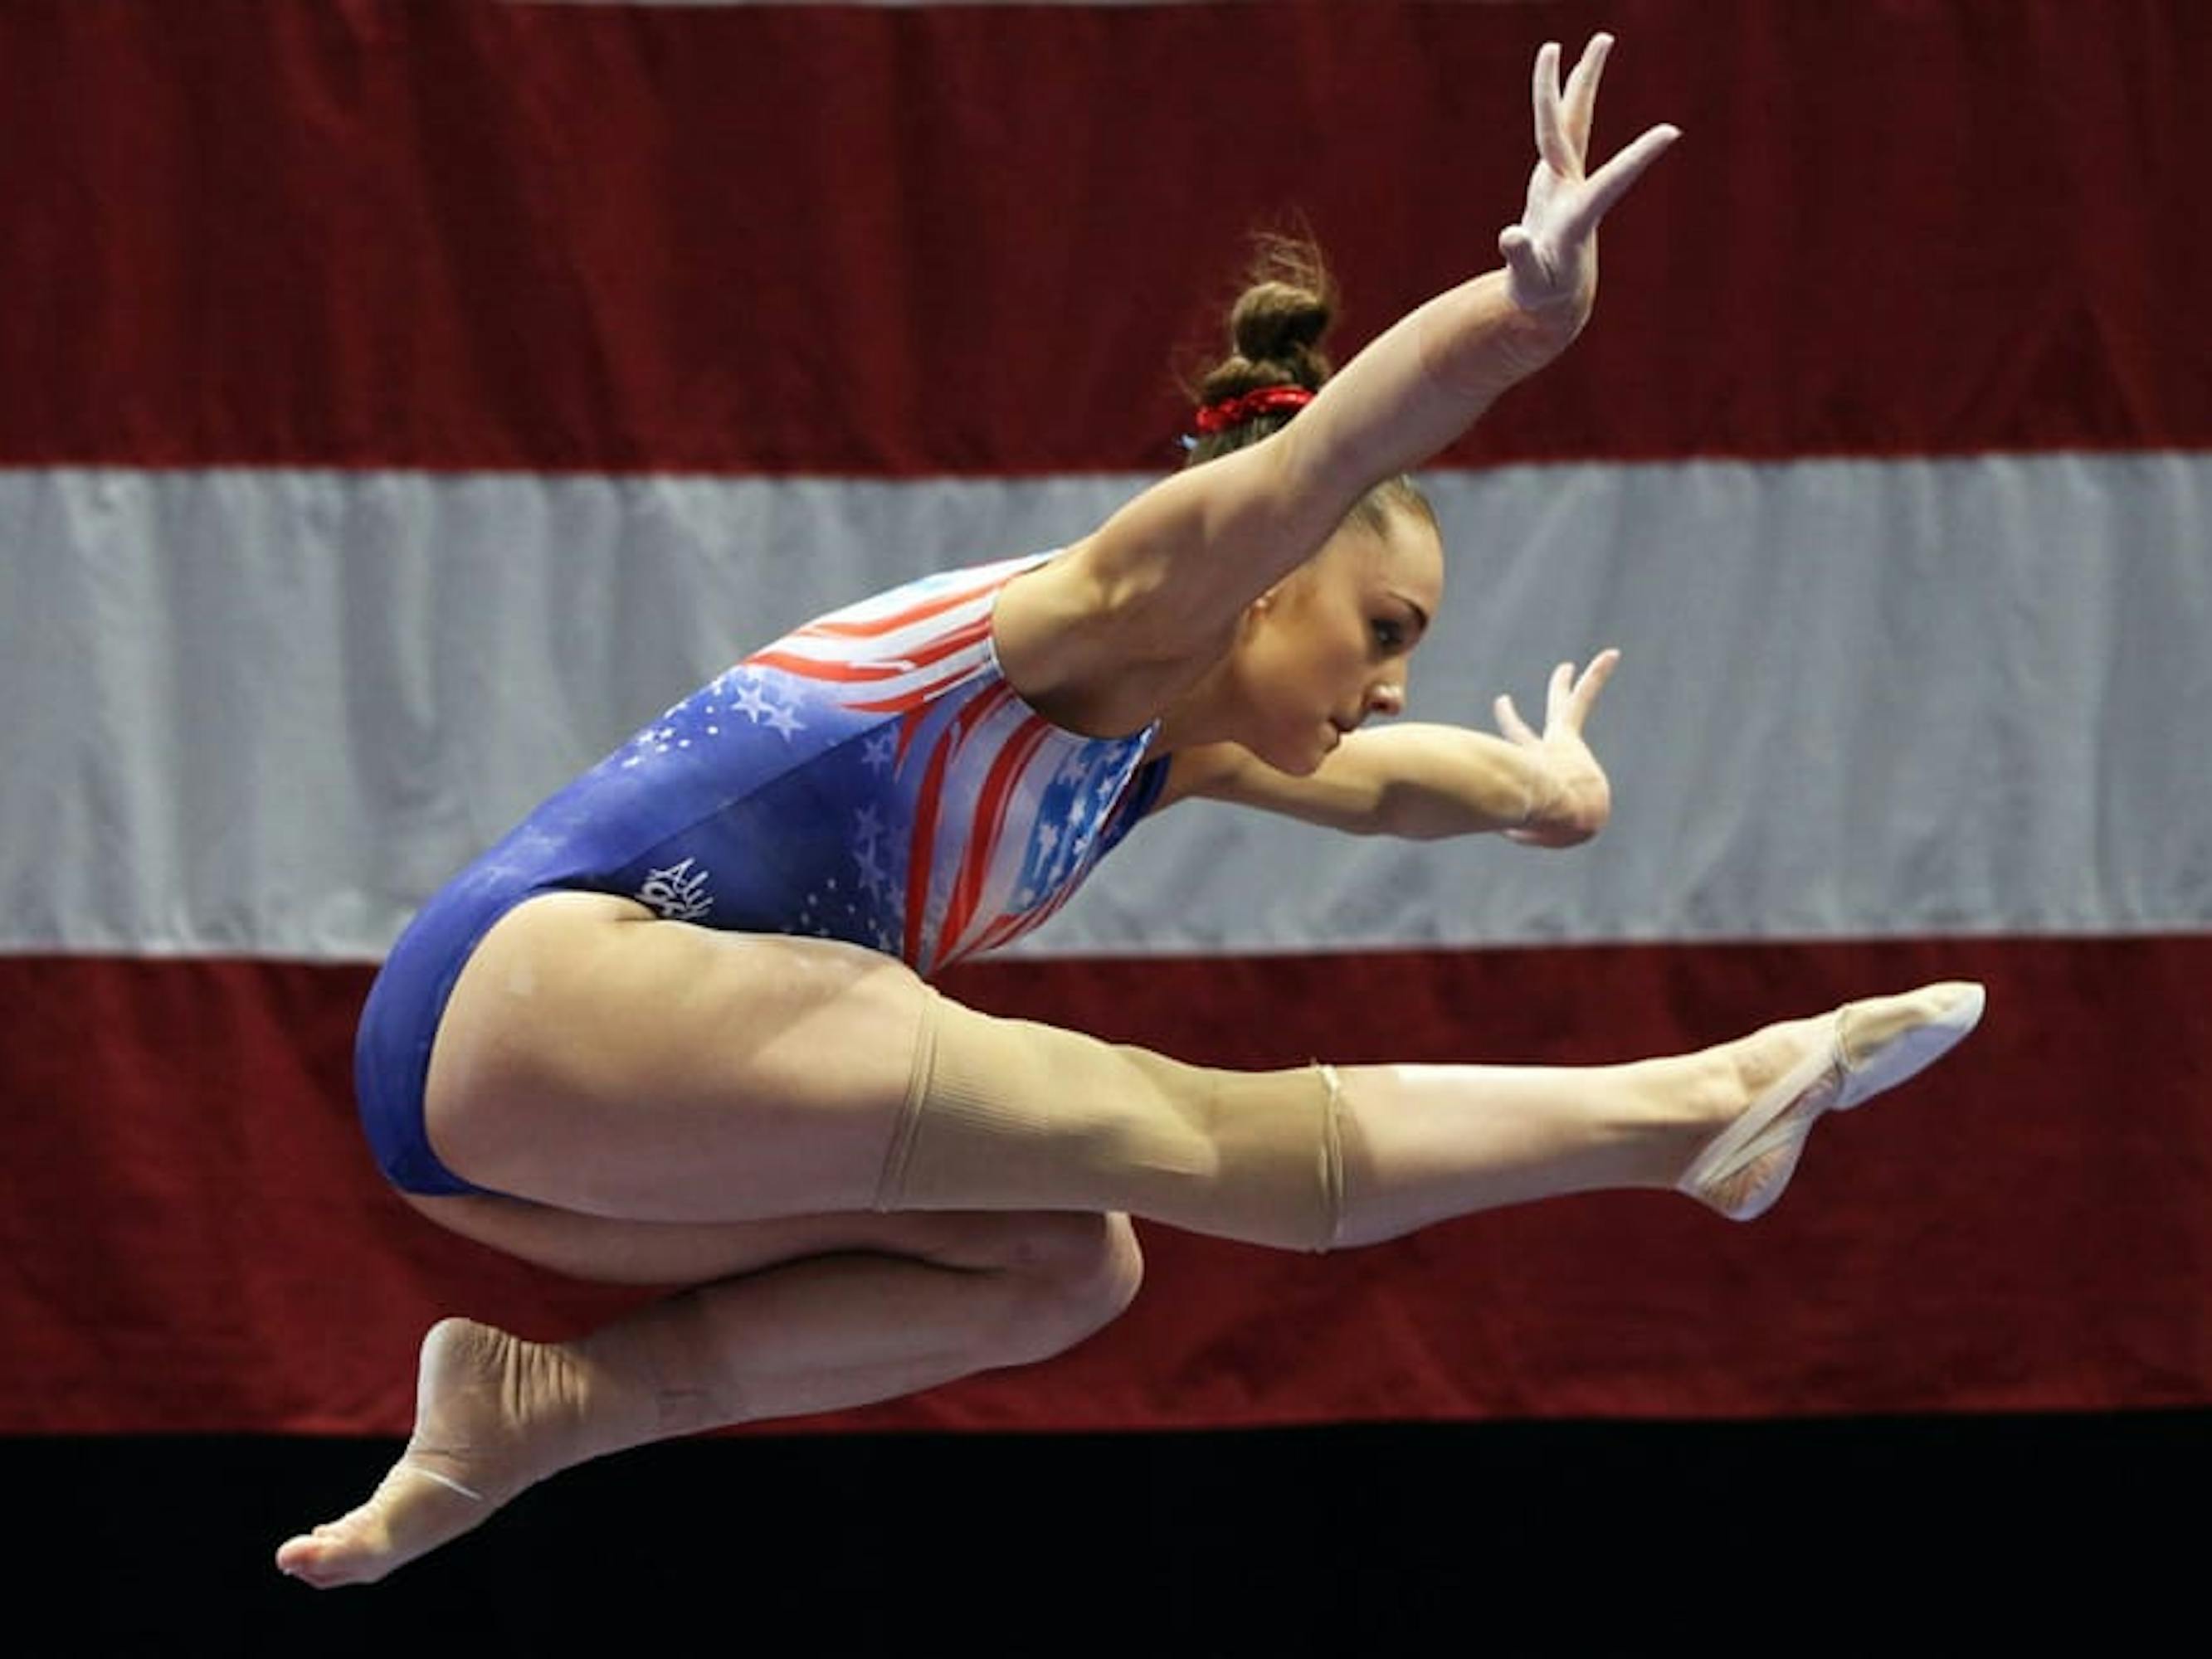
683, 1030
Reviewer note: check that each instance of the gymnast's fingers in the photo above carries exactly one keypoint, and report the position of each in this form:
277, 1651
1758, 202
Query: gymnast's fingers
1511, 723
1532, 277
1611, 182
1580, 103
1559, 696
1551, 137
1592, 682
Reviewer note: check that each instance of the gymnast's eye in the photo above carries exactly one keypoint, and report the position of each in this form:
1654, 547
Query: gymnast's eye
1389, 634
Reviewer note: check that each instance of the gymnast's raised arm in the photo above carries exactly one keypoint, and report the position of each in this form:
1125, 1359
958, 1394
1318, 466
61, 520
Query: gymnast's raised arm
1123, 623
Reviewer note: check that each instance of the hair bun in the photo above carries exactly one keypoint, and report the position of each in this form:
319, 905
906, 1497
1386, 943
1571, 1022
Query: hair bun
1277, 321
1276, 325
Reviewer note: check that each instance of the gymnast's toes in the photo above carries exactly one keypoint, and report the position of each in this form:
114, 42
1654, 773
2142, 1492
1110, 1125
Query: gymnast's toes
356, 1550
469, 1453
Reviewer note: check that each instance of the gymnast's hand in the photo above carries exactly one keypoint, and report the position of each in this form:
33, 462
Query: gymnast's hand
1551, 256
1571, 800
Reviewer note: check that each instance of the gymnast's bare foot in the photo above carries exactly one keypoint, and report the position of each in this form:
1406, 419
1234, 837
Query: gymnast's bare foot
493, 1413
1790, 1074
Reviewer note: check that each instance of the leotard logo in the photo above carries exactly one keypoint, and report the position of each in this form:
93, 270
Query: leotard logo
676, 893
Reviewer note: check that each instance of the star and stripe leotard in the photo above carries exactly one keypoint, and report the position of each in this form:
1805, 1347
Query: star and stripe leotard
870, 777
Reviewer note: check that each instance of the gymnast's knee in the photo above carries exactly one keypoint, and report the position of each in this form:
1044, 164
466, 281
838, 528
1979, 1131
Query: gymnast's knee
1006, 1114
1071, 1275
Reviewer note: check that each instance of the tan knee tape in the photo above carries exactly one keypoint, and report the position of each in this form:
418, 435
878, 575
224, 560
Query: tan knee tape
1004, 1114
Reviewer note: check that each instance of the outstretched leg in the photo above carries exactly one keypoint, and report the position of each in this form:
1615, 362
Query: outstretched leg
495, 1413
648, 1070
1321, 1159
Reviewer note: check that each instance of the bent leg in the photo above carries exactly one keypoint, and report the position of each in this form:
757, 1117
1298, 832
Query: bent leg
495, 1413
608, 1251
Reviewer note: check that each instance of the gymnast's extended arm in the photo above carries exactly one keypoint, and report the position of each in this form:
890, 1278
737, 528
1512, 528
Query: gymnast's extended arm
1425, 782
1165, 580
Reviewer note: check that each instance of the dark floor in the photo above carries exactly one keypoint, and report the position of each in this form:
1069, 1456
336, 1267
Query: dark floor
1911, 1536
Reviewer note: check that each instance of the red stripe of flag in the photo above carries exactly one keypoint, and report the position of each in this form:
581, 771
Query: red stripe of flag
389, 205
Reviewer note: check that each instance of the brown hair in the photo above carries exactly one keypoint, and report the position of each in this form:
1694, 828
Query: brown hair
1275, 330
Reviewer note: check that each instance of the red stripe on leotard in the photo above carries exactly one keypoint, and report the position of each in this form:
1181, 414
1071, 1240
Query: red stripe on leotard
990, 822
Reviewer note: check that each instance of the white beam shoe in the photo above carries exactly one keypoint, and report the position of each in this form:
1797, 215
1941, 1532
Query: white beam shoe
1873, 1046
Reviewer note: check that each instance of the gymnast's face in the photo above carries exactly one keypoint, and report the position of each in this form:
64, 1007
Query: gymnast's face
1328, 645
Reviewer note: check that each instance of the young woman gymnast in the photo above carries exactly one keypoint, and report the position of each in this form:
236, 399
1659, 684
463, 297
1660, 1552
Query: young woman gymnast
677, 1028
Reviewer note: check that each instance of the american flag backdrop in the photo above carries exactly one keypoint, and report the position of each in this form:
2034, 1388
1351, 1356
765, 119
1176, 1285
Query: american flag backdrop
401, 402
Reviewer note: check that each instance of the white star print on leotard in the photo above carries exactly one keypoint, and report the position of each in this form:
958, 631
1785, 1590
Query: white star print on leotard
870, 777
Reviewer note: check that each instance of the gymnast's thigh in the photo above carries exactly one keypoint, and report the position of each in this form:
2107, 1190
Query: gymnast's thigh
597, 1059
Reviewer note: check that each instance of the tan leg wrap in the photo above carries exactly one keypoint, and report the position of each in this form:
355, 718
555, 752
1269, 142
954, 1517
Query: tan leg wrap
1007, 1114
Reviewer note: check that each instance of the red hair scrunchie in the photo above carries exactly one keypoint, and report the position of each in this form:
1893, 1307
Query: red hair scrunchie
1249, 406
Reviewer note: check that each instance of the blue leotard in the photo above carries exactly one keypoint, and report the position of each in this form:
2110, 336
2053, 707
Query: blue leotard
870, 777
